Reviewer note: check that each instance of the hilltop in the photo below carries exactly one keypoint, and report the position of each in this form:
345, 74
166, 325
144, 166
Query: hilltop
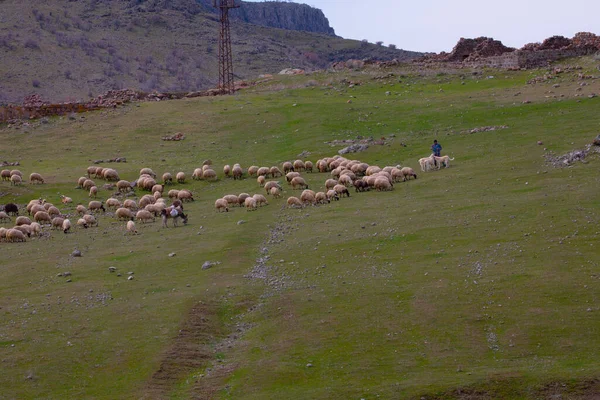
75, 50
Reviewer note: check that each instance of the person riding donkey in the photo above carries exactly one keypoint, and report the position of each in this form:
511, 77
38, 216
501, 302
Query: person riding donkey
436, 148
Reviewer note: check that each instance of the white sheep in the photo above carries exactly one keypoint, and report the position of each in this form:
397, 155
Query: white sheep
14, 235
250, 203
90, 220
130, 204
294, 202
21, 220
57, 222
65, 200
308, 197
124, 213
147, 171
93, 192
180, 177
221, 204
299, 183
36, 229
209, 175
275, 172
299, 165
237, 172
16, 172
321, 198
260, 200
275, 192
95, 206
198, 174
231, 199
35, 178
145, 216
42, 216
287, 167
124, 186
5, 174
242, 198
82, 223
110, 175
113, 203
382, 184
66, 225
253, 170
4, 216
227, 170
407, 173
168, 178
185, 195
131, 227
261, 181
15, 180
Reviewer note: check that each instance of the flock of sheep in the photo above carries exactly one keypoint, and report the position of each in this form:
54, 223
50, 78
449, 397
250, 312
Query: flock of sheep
344, 174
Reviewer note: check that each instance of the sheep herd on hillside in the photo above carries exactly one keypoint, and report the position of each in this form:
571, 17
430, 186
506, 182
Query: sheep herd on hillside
343, 174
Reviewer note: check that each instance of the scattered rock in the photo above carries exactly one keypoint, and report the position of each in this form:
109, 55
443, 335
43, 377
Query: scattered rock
130, 278
209, 264
241, 221
309, 365
597, 141
172, 254
540, 143
76, 253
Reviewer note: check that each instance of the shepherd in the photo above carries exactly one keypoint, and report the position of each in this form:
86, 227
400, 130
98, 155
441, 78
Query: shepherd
436, 148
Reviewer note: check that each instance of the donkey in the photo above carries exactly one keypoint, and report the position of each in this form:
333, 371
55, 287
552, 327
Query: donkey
175, 213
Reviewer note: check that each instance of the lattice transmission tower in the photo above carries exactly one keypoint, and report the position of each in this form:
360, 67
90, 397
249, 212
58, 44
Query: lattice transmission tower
225, 57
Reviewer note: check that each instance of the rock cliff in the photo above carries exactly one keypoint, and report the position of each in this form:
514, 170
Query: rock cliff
290, 16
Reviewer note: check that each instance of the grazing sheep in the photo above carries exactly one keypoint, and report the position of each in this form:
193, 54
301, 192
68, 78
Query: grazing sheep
287, 167
291, 175
197, 175
53, 211
88, 184
124, 213
93, 192
36, 229
308, 166
308, 197
345, 180
124, 186
167, 178
57, 222
372, 170
144, 216
242, 198
66, 225
33, 203
299, 165
157, 195
180, 177
91, 171
407, 173
5, 174
25, 229
3, 233
275, 192
130, 204
65, 200
147, 171
349, 173
271, 184
131, 227
321, 198
341, 190
22, 221
260, 200
382, 184
221, 204
90, 220
14, 235
294, 202
250, 203
155, 208
35, 178
95, 206
275, 172
227, 170
360, 185
322, 166
253, 170
42, 217
48, 205
36, 208
98, 172
15, 180
238, 172
145, 200
16, 172
231, 199
82, 223
185, 195
263, 171
173, 193
206, 166
11, 208
332, 195
4, 216
81, 181
210, 175
110, 175
261, 181
299, 183
112, 203
148, 184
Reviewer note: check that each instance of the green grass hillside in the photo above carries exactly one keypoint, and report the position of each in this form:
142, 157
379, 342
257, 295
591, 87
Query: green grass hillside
477, 281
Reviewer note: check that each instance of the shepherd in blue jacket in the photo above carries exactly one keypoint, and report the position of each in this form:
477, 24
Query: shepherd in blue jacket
436, 148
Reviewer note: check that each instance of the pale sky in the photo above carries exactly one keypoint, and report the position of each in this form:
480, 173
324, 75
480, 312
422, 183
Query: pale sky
436, 25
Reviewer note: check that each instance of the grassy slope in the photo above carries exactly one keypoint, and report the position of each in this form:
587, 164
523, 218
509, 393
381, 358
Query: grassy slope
483, 275
77, 51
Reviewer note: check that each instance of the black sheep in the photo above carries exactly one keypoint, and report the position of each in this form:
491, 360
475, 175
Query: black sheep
11, 208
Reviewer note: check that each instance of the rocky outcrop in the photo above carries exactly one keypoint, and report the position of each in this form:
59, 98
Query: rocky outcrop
291, 16
473, 49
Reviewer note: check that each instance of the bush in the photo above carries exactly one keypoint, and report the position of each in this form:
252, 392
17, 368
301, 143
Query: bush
31, 44
379, 43
392, 46
36, 83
